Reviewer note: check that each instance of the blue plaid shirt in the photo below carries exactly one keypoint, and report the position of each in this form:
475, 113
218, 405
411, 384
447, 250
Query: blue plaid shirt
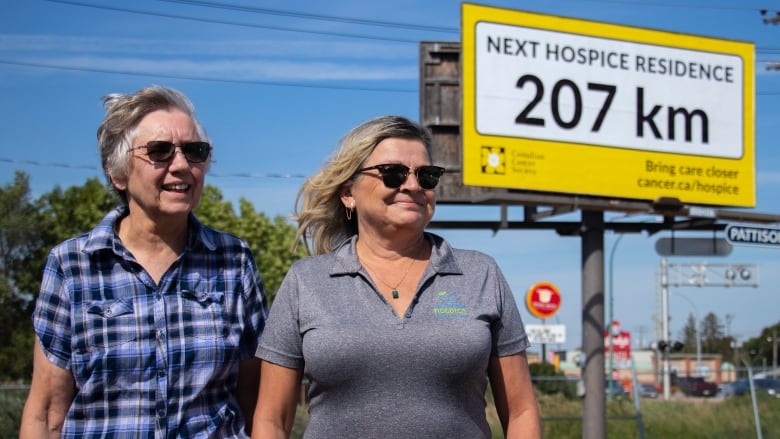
151, 360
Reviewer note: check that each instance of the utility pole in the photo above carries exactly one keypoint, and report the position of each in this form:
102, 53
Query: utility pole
665, 325
697, 275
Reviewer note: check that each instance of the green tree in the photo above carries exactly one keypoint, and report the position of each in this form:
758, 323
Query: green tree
271, 241
19, 240
689, 334
65, 214
712, 333
215, 212
759, 350
549, 381
19, 228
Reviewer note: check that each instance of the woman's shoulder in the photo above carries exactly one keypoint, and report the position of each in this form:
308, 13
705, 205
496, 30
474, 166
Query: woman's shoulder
314, 261
462, 255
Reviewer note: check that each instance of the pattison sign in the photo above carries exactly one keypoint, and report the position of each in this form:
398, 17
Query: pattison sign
752, 235
571, 106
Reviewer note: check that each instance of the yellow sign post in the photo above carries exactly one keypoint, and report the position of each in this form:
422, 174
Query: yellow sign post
578, 107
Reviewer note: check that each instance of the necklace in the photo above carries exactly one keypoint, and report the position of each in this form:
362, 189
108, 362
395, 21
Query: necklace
394, 289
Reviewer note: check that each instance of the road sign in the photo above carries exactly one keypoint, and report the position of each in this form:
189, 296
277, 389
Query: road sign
620, 343
543, 300
545, 334
692, 247
753, 235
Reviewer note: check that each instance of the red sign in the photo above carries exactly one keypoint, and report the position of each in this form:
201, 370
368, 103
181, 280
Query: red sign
543, 300
621, 342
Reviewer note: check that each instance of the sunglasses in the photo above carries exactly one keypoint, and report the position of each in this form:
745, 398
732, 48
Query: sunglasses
160, 151
394, 175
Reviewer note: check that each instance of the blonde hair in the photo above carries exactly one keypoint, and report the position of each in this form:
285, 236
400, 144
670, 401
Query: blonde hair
322, 220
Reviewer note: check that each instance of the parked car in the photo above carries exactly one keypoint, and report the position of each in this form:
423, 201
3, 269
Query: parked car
770, 386
696, 386
647, 390
735, 388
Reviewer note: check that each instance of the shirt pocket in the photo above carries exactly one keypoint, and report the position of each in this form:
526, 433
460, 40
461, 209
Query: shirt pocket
203, 314
110, 323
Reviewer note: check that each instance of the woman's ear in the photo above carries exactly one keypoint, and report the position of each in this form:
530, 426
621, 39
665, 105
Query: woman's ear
119, 183
346, 196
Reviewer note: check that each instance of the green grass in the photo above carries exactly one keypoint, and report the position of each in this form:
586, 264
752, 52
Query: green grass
11, 404
688, 419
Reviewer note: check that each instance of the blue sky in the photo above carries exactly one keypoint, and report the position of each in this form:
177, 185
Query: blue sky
278, 83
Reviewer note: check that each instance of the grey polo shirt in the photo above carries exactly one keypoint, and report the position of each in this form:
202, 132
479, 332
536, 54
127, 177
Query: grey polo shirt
374, 374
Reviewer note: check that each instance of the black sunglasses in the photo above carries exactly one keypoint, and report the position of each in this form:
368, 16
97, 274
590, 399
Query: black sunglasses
394, 175
162, 151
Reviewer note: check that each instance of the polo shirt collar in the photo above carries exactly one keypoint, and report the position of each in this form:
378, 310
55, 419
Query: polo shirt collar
442, 257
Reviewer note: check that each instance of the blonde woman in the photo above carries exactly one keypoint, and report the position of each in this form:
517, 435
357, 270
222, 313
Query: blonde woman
396, 332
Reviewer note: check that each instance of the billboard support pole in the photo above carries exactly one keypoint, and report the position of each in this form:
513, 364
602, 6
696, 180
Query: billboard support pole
594, 404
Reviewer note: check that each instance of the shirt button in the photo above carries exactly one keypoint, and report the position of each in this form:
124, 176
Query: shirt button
161, 334
108, 311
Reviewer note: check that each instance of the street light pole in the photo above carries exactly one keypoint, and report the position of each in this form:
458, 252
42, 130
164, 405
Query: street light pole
665, 325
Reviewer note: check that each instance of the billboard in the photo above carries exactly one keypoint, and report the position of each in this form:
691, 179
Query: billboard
570, 106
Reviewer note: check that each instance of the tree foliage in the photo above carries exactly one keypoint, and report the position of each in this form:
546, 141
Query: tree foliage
19, 230
19, 240
714, 340
761, 350
271, 241
30, 228
549, 381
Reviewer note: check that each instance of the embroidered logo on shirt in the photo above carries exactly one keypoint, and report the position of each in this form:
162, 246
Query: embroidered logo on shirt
448, 306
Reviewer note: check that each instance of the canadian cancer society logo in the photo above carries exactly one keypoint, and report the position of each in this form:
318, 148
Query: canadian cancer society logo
447, 305
493, 160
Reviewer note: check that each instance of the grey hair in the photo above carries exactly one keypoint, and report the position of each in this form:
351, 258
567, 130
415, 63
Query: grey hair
322, 222
118, 129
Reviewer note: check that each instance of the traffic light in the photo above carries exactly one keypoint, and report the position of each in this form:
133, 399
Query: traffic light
672, 346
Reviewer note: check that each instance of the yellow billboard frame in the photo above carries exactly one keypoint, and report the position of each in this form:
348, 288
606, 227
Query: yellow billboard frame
600, 169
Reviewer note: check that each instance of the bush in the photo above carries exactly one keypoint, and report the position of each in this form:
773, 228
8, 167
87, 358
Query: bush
549, 382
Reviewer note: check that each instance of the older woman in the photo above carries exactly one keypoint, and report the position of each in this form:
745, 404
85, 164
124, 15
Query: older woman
396, 331
147, 325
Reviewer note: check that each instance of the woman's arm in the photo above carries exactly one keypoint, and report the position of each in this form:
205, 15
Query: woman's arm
246, 390
277, 401
513, 393
51, 393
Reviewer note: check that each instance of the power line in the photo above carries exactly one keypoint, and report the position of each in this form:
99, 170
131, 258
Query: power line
246, 81
196, 78
213, 174
310, 16
232, 23
48, 164
353, 20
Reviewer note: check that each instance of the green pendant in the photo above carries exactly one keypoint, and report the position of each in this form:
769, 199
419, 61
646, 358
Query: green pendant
395, 294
